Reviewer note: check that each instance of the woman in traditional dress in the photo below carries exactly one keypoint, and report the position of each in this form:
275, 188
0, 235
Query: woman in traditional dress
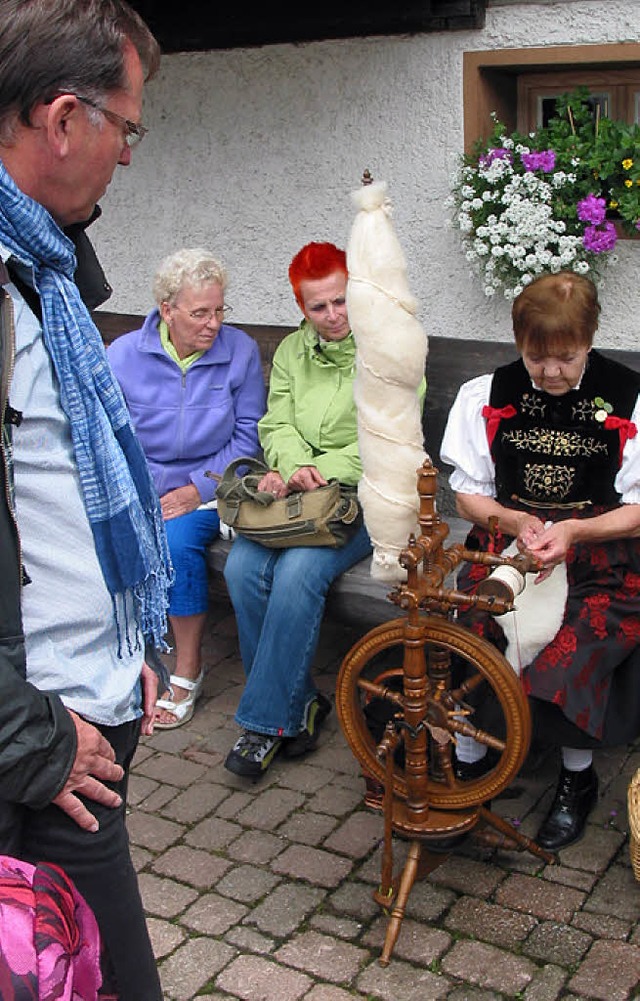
548, 446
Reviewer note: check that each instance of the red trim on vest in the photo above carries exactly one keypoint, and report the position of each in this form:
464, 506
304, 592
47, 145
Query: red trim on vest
626, 429
494, 415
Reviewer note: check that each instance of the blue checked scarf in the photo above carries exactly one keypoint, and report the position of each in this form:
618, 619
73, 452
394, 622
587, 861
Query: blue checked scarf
119, 496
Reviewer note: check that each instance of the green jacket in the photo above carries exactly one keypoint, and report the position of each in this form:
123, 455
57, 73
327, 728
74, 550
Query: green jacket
311, 417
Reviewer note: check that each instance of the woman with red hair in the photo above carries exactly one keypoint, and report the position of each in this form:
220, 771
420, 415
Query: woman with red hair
309, 436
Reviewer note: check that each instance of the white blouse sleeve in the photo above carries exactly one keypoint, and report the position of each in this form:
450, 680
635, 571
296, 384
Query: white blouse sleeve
627, 482
465, 445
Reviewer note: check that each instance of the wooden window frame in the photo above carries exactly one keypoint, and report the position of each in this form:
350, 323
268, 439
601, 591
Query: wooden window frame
491, 78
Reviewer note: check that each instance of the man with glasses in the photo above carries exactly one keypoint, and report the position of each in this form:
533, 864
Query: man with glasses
84, 569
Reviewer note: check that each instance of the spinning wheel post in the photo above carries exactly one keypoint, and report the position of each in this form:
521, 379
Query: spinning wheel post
423, 798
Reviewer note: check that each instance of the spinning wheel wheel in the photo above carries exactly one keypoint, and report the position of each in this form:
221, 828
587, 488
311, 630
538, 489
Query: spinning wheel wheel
426, 671
360, 681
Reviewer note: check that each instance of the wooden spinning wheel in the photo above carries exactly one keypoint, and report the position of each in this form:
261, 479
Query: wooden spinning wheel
426, 673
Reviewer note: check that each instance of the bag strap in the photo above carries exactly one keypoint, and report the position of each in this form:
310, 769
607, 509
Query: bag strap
233, 489
349, 508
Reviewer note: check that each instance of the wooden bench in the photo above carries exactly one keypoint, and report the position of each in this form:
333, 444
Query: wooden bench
356, 597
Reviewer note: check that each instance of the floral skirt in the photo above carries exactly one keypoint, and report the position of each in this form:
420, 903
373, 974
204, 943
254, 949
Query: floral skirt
598, 639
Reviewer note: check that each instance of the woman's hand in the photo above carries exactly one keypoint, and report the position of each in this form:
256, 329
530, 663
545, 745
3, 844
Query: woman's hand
182, 500
306, 478
551, 545
272, 483
530, 528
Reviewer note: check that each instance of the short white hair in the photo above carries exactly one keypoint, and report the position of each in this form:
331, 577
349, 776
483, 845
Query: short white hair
191, 266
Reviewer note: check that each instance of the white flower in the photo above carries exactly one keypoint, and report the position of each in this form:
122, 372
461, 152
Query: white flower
512, 222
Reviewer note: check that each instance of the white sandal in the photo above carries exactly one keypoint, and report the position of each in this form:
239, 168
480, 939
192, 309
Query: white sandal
183, 710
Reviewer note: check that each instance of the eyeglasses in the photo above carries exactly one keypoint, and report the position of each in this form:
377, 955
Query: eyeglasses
206, 315
134, 131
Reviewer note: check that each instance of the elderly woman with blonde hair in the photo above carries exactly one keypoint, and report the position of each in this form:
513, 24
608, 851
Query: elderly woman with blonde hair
195, 391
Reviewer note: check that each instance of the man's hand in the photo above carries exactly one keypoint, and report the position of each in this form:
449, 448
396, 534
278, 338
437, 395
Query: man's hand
95, 759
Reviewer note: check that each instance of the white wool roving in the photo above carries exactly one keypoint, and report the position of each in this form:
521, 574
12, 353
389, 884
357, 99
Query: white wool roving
390, 363
537, 615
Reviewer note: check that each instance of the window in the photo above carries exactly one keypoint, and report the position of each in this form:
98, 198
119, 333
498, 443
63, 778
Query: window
615, 94
520, 84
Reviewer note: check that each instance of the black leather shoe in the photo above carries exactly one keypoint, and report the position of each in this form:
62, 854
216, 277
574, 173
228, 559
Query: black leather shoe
575, 797
468, 771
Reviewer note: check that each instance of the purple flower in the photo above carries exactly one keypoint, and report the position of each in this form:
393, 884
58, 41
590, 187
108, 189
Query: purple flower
592, 209
638, 224
545, 160
494, 154
600, 240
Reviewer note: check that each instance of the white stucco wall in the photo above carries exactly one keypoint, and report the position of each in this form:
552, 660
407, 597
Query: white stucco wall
253, 152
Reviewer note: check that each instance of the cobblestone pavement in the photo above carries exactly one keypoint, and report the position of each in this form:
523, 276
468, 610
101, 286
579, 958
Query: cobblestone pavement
264, 891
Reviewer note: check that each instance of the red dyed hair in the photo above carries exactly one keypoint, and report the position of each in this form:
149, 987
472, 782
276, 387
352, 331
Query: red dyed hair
315, 260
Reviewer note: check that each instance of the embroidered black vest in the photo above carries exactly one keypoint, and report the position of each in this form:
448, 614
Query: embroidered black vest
556, 450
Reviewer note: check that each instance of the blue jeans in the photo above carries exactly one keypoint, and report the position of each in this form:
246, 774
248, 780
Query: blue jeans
188, 537
278, 596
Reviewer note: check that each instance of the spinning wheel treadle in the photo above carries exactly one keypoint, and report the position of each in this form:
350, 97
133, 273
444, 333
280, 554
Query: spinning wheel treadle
405, 666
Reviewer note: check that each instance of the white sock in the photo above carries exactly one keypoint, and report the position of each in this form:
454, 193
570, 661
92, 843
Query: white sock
576, 759
469, 750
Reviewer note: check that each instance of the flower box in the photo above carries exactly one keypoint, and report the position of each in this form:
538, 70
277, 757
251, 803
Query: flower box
529, 204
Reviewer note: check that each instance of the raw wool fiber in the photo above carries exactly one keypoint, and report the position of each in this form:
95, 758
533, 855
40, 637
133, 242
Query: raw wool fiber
390, 363
537, 616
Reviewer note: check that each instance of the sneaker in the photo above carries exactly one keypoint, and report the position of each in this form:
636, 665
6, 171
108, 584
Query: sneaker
315, 713
252, 753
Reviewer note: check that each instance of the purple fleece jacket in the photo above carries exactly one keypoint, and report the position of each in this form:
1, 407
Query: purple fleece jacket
197, 421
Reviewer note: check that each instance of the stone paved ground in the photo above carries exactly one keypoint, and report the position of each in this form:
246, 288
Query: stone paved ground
263, 891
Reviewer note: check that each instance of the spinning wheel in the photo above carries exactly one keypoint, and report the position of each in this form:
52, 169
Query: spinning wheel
424, 673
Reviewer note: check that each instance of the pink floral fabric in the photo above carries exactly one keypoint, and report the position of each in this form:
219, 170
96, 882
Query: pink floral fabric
49, 939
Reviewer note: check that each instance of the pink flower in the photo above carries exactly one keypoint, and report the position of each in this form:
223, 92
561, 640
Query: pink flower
545, 160
592, 209
494, 154
600, 240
